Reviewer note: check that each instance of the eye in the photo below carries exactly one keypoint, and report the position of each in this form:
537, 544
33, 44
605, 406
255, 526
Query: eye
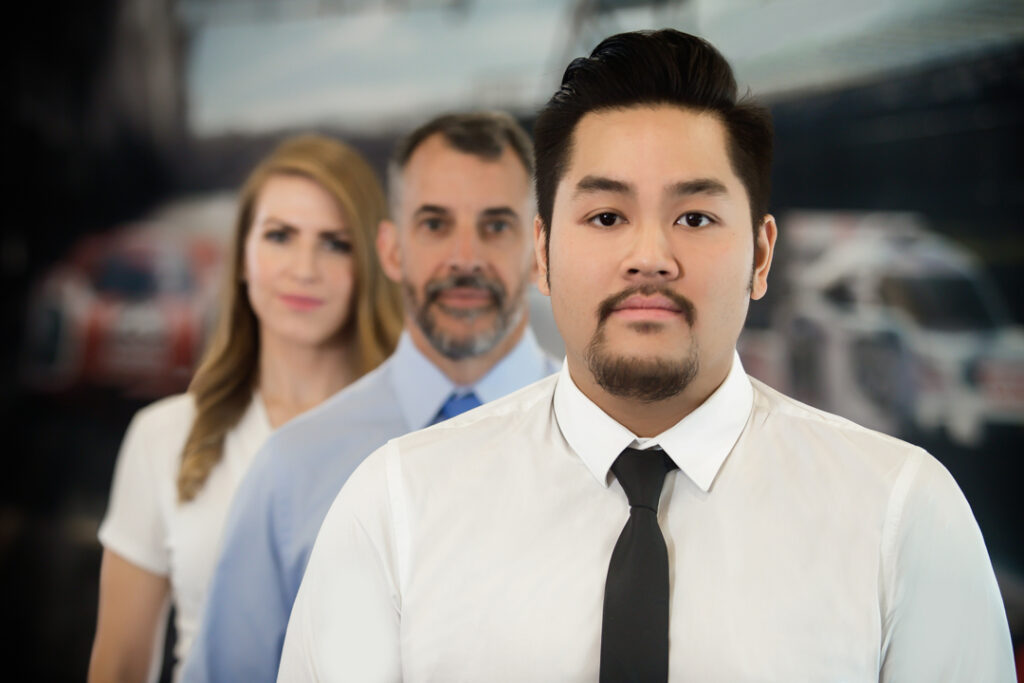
694, 219
277, 235
432, 224
606, 219
338, 244
497, 227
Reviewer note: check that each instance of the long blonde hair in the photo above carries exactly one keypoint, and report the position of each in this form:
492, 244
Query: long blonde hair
228, 373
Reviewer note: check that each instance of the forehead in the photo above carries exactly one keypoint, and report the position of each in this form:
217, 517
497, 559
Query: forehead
651, 145
438, 173
282, 184
296, 194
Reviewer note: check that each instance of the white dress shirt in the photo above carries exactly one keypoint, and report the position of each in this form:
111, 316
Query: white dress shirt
802, 547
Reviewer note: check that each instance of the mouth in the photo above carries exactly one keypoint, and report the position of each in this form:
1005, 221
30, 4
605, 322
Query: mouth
464, 297
647, 304
647, 308
301, 303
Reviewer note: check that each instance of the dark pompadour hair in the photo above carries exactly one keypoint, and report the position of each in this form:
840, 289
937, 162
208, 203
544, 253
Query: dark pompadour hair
484, 134
654, 68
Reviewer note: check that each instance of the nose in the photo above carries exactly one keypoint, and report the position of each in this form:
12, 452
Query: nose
650, 256
304, 264
464, 255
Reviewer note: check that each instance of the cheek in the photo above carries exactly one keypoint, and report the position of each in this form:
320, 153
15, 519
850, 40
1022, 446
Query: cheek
720, 287
421, 263
252, 262
417, 273
341, 276
255, 283
581, 267
341, 268
257, 262
512, 267
574, 299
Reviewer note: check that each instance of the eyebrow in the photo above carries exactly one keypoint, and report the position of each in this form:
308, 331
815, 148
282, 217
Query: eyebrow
684, 188
593, 183
272, 221
499, 212
431, 208
687, 188
276, 220
491, 212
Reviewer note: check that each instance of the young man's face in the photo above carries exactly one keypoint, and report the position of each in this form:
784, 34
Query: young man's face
460, 246
652, 258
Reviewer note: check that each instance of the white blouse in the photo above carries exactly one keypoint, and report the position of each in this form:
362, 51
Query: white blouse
147, 525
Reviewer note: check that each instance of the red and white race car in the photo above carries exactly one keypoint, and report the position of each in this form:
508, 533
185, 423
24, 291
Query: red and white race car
128, 309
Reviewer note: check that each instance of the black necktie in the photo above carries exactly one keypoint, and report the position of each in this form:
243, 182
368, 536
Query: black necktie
634, 632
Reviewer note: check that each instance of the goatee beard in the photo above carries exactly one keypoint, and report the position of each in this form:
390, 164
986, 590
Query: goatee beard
648, 380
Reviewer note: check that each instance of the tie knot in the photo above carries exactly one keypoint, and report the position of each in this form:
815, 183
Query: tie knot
456, 405
641, 475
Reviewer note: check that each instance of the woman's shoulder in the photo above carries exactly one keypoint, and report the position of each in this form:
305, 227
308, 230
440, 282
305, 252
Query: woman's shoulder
169, 413
155, 438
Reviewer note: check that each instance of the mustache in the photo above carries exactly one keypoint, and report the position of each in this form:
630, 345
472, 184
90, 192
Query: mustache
609, 305
433, 289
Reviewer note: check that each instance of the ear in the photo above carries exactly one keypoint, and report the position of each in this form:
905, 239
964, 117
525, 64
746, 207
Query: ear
764, 250
388, 250
540, 256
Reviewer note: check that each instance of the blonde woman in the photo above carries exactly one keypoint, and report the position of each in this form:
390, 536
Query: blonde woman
306, 310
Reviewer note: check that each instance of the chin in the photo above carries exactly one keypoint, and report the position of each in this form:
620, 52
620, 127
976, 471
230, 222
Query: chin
647, 379
313, 338
650, 346
629, 366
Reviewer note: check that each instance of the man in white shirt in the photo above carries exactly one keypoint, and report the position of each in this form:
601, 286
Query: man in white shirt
650, 513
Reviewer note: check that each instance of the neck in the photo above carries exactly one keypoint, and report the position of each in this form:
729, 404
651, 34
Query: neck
294, 377
646, 418
466, 371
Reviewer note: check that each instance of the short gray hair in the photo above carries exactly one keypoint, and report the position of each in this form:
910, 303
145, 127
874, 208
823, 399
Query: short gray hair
484, 134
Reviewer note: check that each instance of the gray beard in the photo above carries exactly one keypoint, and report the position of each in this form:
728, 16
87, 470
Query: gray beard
456, 347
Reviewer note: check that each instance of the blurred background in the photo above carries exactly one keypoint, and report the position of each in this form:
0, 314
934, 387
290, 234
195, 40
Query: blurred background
896, 298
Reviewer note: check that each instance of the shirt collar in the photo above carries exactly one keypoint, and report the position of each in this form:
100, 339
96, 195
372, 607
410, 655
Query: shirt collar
422, 388
524, 364
698, 444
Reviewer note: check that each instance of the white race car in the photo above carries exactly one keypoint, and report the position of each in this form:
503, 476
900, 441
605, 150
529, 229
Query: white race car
898, 328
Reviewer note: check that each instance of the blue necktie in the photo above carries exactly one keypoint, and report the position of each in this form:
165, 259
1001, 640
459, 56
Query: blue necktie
456, 405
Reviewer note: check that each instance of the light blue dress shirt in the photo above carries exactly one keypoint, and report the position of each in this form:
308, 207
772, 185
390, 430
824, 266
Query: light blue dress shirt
279, 506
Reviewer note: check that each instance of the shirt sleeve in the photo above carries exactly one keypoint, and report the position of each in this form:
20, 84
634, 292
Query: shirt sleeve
248, 601
943, 617
135, 527
345, 623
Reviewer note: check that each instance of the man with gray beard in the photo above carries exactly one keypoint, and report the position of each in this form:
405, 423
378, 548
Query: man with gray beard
460, 244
